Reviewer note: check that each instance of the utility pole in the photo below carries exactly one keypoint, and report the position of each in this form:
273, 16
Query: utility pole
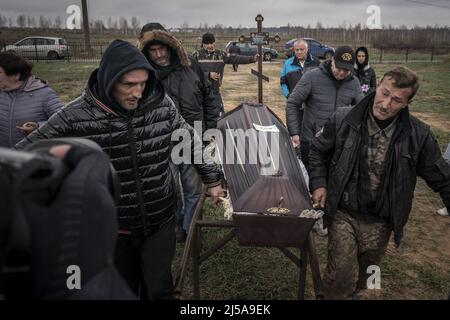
87, 40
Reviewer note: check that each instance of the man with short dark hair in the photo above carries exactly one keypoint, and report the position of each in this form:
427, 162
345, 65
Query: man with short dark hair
363, 168
126, 111
209, 52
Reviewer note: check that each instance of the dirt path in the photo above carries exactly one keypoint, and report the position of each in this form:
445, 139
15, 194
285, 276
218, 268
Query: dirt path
433, 120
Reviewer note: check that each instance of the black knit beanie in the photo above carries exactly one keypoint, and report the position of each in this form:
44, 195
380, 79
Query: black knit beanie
208, 38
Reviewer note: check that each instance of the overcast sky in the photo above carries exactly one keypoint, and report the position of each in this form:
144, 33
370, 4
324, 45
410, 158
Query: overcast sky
173, 13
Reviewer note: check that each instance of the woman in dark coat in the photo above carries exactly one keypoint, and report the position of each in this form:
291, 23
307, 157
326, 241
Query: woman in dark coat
364, 72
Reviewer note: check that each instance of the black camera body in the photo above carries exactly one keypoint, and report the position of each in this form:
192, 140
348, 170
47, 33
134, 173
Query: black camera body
58, 216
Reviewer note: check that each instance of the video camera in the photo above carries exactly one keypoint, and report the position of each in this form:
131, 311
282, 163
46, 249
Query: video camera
58, 223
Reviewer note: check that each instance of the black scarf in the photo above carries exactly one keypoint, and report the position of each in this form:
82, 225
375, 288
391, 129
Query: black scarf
163, 72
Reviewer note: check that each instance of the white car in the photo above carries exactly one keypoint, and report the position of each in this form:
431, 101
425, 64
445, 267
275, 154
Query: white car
40, 48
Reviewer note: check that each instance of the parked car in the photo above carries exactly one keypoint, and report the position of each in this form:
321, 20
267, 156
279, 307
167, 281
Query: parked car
40, 47
316, 48
248, 49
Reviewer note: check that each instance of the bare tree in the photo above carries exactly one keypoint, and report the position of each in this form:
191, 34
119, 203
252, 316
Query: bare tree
115, 25
319, 25
3, 21
44, 22
184, 26
135, 23
10, 23
33, 22
21, 20
58, 22
123, 23
109, 23
218, 27
98, 25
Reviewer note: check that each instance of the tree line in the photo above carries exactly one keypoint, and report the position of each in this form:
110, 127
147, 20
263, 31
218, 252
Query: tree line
27, 21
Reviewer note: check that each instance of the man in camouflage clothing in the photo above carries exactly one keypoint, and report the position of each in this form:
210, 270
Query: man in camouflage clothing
363, 168
209, 52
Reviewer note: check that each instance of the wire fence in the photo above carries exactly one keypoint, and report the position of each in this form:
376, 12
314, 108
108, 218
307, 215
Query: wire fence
78, 52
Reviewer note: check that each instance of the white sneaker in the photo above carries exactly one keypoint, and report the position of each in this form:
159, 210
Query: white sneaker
443, 212
319, 229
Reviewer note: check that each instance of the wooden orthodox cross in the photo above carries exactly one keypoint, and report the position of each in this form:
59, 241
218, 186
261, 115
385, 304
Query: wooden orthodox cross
259, 38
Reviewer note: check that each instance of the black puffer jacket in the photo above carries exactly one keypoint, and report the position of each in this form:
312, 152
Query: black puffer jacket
415, 152
182, 82
316, 97
138, 141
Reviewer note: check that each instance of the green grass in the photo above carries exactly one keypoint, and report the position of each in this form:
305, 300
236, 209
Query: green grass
237, 272
68, 79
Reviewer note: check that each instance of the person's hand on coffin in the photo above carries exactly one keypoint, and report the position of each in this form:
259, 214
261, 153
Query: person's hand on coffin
295, 141
216, 192
319, 196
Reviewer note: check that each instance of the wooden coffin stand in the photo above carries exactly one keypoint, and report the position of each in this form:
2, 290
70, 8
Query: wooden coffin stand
266, 199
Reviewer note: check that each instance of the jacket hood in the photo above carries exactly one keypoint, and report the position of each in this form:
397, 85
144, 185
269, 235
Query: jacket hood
34, 83
163, 37
366, 61
119, 58
149, 98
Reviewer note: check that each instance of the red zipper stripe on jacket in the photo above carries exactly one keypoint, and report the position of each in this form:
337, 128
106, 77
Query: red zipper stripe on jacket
104, 107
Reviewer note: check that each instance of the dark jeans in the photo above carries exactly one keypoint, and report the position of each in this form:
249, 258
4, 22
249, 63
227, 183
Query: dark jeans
218, 102
190, 181
304, 151
146, 262
235, 67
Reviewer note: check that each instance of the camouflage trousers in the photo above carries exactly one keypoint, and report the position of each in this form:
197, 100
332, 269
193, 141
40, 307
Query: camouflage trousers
353, 246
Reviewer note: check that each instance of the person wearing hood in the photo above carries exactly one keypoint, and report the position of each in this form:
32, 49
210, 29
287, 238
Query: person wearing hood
208, 52
296, 66
26, 101
125, 110
192, 97
364, 72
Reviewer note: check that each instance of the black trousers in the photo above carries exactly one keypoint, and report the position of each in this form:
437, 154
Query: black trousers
304, 151
146, 262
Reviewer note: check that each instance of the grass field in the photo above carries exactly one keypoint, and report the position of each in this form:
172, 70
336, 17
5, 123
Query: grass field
419, 269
